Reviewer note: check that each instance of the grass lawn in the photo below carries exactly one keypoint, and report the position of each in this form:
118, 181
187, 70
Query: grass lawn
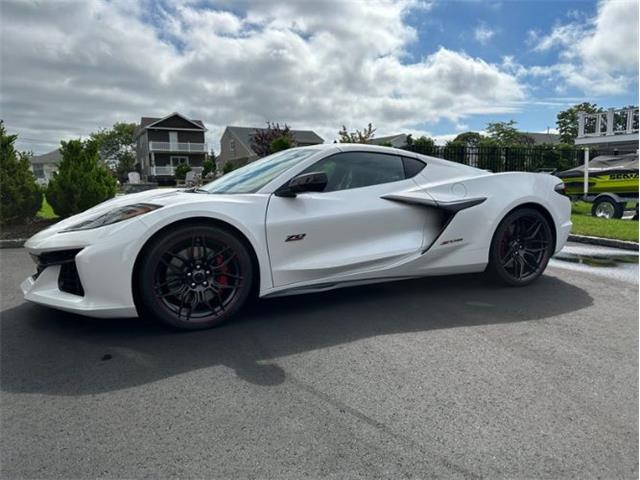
585, 224
46, 211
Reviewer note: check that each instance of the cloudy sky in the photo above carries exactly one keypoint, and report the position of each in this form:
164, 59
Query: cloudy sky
70, 67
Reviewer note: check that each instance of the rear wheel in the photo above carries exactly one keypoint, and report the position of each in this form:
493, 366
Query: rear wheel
521, 247
606, 207
195, 277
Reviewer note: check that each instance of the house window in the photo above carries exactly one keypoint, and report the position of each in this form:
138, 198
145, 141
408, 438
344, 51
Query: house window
232, 146
177, 160
38, 170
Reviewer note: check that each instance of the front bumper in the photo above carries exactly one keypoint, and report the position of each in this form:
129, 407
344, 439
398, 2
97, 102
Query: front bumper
104, 263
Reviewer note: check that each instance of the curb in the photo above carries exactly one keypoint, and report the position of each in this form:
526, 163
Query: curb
12, 243
605, 242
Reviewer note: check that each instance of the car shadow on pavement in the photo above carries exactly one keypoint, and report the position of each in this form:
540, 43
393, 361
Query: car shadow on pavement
51, 352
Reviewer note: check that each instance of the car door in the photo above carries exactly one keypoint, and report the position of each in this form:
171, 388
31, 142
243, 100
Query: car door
347, 228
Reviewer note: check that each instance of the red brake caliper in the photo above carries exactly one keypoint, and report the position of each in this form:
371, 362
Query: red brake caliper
504, 244
221, 279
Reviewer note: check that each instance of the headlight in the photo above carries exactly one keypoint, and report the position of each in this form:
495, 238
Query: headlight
114, 216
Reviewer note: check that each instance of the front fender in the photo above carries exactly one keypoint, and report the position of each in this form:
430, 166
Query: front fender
251, 226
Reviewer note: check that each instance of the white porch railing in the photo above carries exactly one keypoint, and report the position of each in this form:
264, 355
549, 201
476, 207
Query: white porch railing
177, 147
162, 170
611, 122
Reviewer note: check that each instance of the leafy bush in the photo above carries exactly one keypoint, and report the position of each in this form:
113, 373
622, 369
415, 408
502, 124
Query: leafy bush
364, 136
181, 171
228, 167
489, 155
281, 143
20, 196
82, 181
262, 139
207, 167
455, 151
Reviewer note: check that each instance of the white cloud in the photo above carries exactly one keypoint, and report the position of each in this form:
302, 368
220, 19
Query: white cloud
597, 56
71, 67
483, 34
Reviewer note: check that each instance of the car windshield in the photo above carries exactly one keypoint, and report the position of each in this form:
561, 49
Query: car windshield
254, 176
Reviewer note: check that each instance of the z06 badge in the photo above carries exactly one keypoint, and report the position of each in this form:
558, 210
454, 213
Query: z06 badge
293, 238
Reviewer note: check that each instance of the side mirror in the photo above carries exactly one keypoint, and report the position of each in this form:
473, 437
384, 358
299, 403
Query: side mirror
306, 182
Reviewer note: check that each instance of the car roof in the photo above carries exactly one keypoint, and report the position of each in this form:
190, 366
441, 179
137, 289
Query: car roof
365, 147
350, 147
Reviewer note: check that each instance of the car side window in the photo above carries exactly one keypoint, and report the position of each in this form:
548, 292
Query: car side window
412, 166
359, 169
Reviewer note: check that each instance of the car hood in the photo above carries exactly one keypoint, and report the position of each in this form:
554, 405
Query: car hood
161, 196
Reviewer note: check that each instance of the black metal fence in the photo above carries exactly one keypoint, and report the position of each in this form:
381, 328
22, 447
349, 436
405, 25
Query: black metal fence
518, 159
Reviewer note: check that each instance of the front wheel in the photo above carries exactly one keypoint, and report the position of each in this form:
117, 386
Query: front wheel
521, 247
196, 276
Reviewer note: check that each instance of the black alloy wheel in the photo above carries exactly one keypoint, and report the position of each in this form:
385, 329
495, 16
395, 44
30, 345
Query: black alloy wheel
521, 247
195, 277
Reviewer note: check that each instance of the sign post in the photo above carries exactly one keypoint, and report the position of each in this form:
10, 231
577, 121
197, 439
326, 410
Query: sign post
586, 173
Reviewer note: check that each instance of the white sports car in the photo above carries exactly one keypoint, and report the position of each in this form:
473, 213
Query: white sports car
303, 220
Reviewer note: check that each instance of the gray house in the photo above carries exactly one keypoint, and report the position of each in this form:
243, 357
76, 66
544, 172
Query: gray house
163, 143
45, 165
235, 144
397, 141
542, 138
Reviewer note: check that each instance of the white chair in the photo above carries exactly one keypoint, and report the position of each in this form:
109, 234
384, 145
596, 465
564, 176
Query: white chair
190, 178
134, 178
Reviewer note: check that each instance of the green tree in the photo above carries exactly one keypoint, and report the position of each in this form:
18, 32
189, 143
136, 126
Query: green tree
423, 145
207, 167
364, 136
281, 143
504, 133
262, 139
214, 159
116, 146
20, 196
181, 171
567, 120
455, 151
127, 163
490, 155
469, 139
228, 167
81, 181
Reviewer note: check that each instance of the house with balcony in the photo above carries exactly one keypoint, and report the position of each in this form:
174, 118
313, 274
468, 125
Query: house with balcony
235, 144
164, 143
610, 132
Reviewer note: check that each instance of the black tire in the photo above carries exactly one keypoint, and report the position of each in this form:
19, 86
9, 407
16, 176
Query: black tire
196, 276
607, 207
521, 247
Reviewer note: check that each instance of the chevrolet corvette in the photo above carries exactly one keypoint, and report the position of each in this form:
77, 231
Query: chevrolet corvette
302, 220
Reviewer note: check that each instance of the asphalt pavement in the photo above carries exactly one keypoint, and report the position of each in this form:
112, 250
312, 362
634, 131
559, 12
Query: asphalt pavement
450, 377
